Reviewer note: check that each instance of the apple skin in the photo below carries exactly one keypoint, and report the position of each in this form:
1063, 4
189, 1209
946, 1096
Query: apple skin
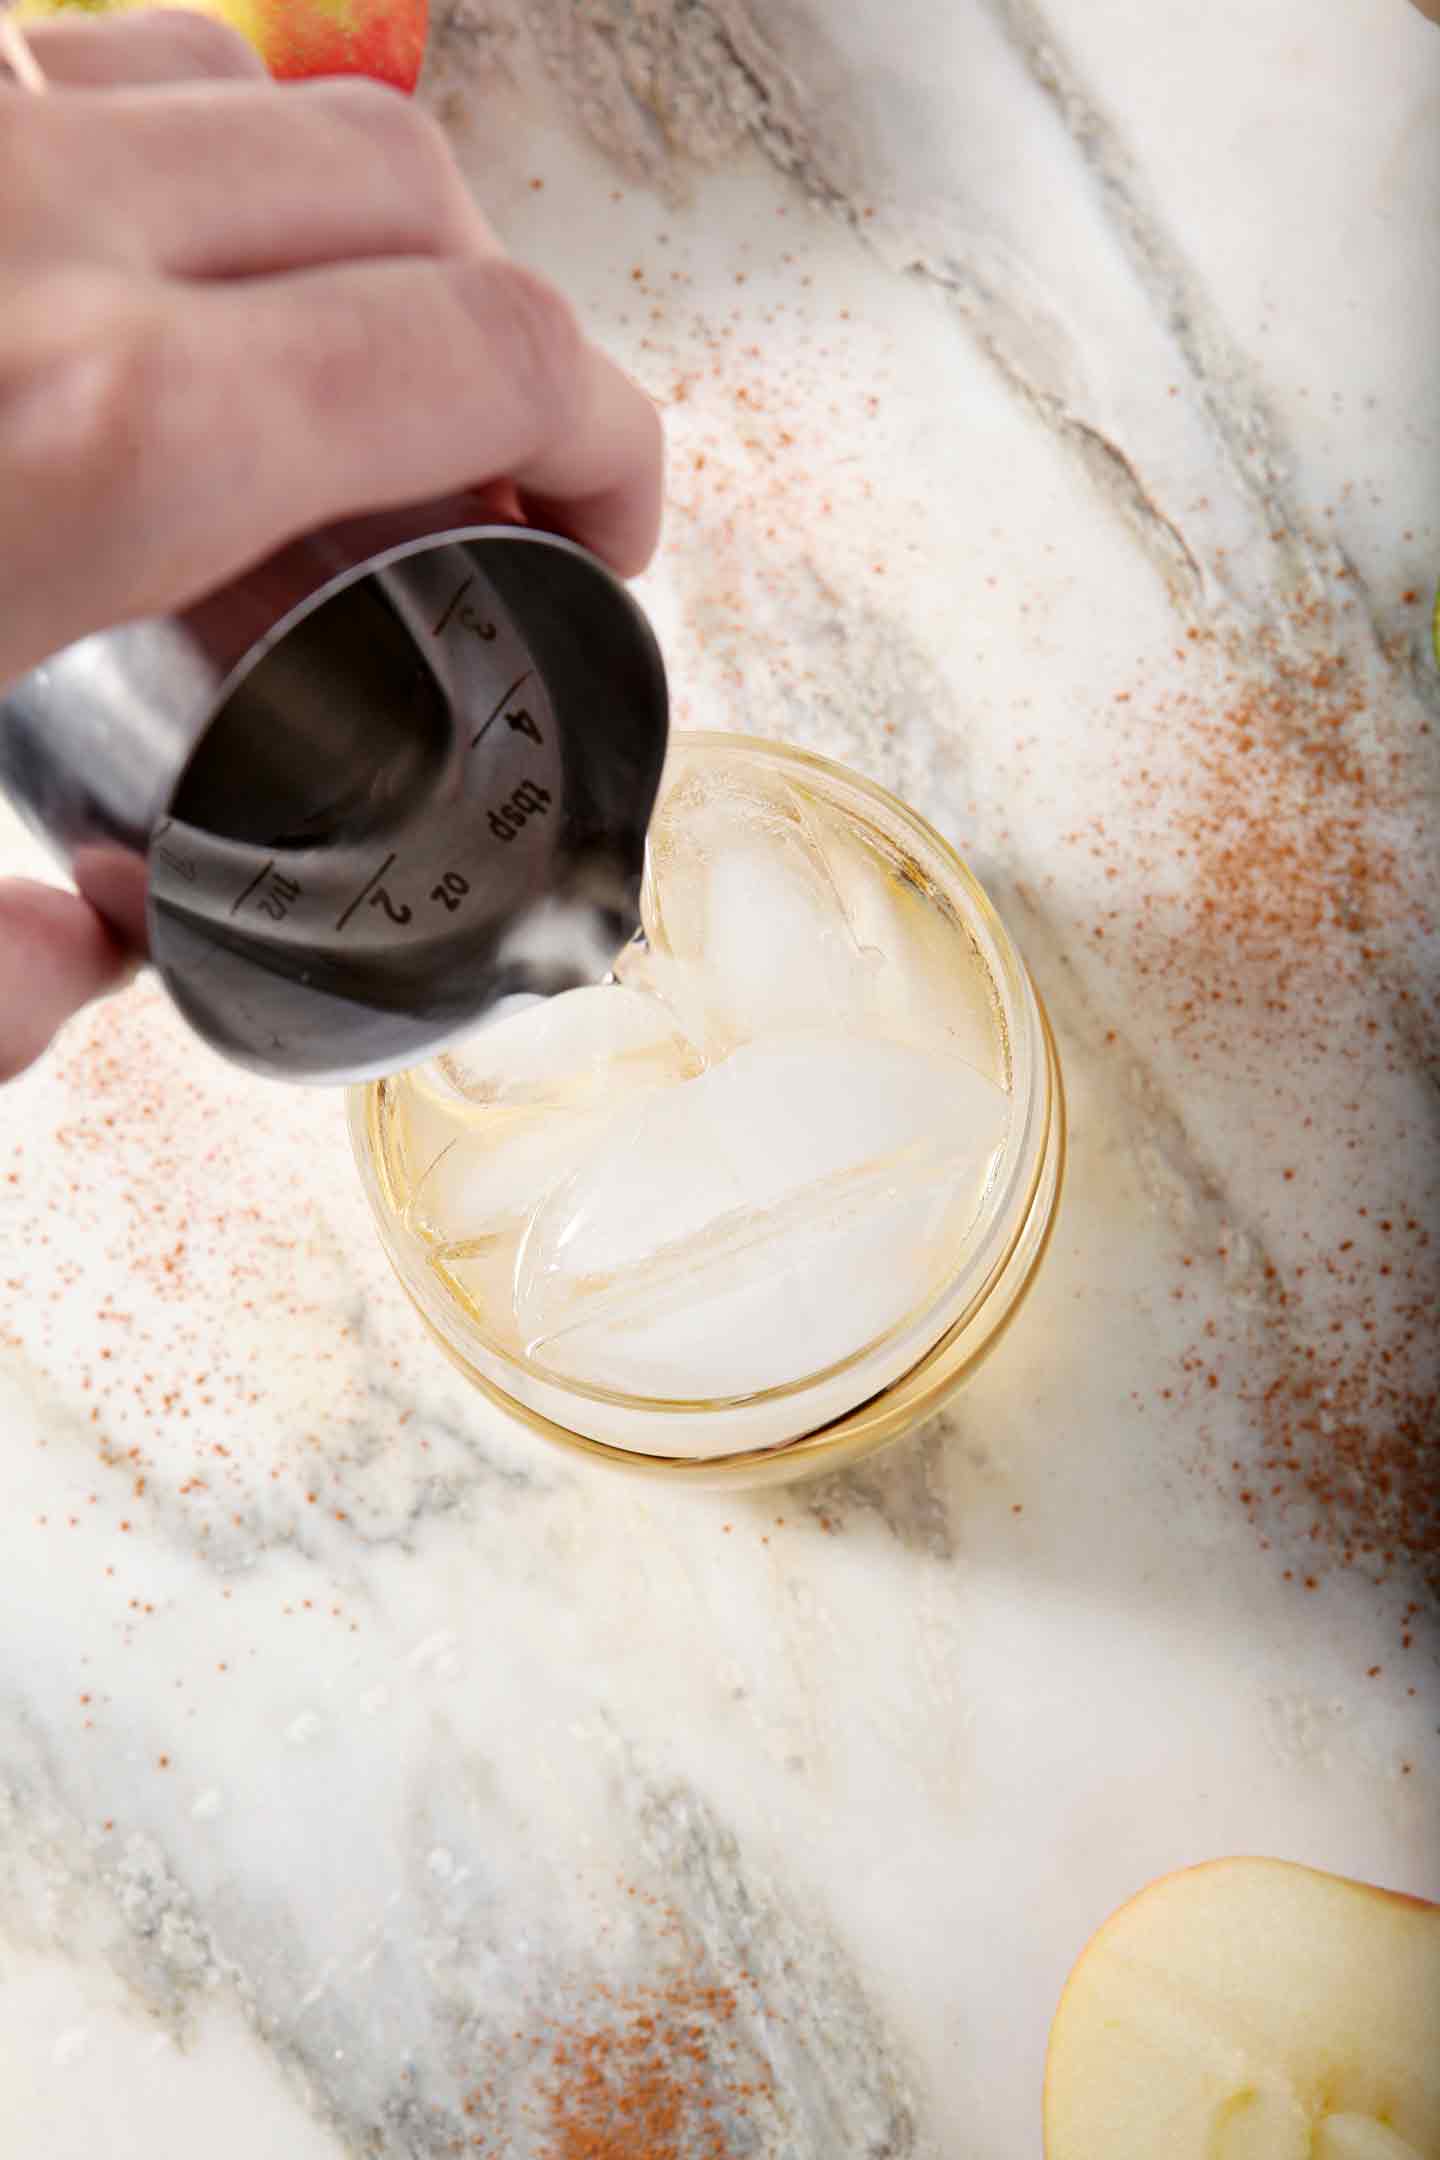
1251, 2009
384, 39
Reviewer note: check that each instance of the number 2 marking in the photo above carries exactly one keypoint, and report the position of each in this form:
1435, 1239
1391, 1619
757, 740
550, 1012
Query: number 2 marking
381, 899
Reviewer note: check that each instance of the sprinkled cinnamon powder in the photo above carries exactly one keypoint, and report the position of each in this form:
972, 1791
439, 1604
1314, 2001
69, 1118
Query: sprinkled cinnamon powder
1283, 921
191, 1333
656, 2072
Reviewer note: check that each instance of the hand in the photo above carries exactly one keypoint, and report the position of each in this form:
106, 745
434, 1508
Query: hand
230, 311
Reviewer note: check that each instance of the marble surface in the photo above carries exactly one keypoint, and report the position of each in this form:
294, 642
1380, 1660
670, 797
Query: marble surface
1055, 435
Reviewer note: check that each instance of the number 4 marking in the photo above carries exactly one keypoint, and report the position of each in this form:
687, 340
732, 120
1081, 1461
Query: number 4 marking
522, 723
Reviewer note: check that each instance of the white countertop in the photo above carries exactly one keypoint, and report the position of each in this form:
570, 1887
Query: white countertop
1055, 435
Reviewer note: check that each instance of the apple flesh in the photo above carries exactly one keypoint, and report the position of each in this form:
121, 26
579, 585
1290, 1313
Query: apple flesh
1251, 2010
384, 39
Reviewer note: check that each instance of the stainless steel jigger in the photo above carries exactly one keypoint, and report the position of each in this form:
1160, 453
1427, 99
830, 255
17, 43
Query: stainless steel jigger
401, 771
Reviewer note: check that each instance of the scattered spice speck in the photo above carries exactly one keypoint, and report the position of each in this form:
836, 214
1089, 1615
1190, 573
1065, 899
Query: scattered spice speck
667, 2070
1286, 807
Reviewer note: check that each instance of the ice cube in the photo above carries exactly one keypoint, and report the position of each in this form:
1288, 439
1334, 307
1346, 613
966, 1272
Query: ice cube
928, 984
479, 1274
677, 988
743, 912
491, 1171
572, 1049
762, 1222
555, 1083
491, 1126
429, 1115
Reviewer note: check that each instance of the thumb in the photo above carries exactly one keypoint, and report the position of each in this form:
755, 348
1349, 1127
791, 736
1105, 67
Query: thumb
55, 956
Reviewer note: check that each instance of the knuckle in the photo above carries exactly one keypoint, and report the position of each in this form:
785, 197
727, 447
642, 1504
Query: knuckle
391, 126
105, 383
539, 340
83, 380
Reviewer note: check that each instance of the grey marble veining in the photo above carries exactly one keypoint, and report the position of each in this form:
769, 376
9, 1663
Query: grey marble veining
361, 1766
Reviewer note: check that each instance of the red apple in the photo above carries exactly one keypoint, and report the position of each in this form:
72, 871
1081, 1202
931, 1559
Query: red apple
1251, 2010
381, 38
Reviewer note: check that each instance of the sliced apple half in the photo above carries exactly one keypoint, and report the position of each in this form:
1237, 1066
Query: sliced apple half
1251, 2010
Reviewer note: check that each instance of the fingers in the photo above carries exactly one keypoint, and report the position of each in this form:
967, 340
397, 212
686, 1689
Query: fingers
55, 956
409, 379
164, 45
234, 311
228, 179
277, 404
603, 485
